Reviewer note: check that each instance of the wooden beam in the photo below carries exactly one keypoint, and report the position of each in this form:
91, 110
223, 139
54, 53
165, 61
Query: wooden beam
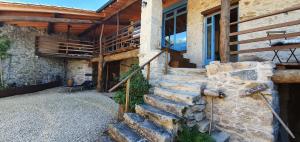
274, 26
111, 15
5, 6
271, 37
225, 31
46, 19
91, 28
100, 63
121, 56
281, 47
100, 72
296, 7
286, 76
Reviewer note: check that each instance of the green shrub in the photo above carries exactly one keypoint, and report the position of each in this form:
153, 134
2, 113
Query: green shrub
193, 135
138, 87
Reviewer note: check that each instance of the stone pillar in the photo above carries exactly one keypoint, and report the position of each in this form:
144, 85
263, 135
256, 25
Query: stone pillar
151, 31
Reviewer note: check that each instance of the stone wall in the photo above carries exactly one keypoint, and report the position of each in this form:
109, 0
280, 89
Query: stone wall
246, 119
23, 67
77, 70
195, 29
151, 27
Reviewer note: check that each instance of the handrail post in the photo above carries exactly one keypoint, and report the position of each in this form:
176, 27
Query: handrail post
148, 71
127, 95
167, 61
225, 31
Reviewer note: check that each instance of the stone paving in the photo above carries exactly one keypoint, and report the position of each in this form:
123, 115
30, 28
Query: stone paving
54, 115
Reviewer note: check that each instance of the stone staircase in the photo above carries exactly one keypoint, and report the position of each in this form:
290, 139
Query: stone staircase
176, 100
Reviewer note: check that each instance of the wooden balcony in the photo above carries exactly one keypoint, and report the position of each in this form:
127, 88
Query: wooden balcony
127, 38
51, 46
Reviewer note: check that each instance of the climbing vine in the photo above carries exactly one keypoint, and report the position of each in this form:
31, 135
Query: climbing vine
139, 86
4, 47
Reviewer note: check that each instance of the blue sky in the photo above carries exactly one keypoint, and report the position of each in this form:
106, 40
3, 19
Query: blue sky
81, 4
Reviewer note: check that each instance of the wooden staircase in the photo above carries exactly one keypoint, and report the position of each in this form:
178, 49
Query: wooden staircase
178, 61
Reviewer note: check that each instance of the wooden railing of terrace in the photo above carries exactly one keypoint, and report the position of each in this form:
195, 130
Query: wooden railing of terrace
264, 28
127, 38
50, 46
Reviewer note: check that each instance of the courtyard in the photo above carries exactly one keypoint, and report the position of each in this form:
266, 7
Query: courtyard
54, 115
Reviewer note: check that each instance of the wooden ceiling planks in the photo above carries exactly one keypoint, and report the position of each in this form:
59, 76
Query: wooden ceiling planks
57, 19
5, 6
129, 10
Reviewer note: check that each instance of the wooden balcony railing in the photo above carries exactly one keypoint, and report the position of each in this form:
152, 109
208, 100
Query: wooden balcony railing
125, 39
275, 48
50, 46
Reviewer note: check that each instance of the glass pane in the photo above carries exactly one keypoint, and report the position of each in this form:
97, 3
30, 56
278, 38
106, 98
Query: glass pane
181, 24
209, 20
208, 46
168, 15
169, 31
183, 9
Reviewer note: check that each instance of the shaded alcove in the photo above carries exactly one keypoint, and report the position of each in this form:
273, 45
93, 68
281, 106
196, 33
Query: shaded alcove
289, 97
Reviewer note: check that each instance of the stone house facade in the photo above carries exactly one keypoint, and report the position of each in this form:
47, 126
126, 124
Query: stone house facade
246, 119
23, 67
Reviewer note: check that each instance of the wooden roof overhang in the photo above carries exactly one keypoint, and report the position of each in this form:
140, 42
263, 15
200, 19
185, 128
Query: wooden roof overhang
81, 22
116, 11
51, 18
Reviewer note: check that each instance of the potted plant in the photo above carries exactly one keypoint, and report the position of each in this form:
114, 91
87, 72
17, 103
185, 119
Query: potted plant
138, 87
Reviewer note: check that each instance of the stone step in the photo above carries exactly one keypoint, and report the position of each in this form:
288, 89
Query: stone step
187, 71
146, 128
169, 121
220, 136
203, 126
191, 87
179, 96
173, 107
122, 133
185, 78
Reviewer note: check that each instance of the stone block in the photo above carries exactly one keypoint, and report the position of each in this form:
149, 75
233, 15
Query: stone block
199, 116
203, 126
197, 108
245, 75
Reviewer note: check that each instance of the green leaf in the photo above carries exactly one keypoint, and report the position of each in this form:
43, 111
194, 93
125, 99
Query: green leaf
138, 87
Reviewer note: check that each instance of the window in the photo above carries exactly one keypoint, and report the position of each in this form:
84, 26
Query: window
174, 30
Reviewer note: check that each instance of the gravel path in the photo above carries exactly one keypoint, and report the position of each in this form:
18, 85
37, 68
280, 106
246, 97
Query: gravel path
51, 115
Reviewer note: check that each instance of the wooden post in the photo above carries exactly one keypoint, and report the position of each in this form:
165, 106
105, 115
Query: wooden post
127, 95
225, 31
107, 77
68, 37
148, 71
100, 63
118, 28
167, 60
100, 71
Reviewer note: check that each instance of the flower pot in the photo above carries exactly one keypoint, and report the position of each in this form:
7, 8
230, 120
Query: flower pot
70, 83
121, 112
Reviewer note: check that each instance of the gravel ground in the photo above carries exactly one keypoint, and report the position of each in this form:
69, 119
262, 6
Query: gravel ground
53, 115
